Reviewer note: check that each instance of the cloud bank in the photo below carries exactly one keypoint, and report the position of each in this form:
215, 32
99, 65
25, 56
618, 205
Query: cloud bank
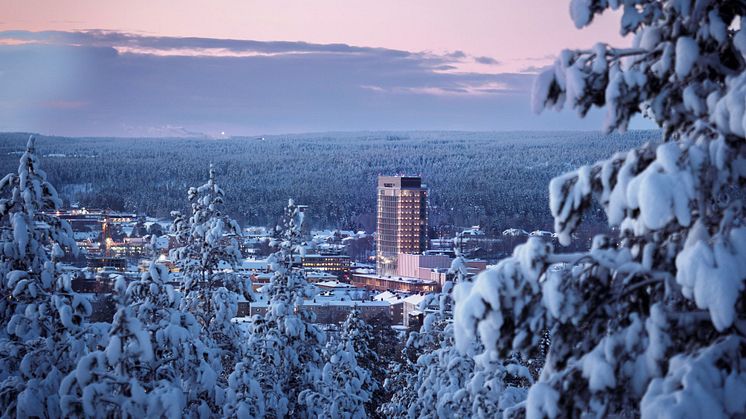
111, 83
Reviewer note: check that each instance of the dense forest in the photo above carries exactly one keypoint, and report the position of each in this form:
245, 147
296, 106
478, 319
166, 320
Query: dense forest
498, 180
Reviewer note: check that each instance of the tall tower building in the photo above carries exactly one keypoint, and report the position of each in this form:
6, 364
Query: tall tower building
401, 221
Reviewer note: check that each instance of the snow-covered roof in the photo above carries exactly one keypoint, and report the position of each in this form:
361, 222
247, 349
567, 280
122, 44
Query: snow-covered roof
334, 284
541, 233
317, 276
254, 264
403, 279
386, 295
255, 230
391, 297
246, 264
161, 242
85, 235
330, 302
415, 299
318, 256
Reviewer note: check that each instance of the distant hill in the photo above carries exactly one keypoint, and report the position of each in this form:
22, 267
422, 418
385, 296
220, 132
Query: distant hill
496, 179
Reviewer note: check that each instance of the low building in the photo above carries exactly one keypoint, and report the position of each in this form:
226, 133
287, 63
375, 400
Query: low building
316, 276
89, 285
338, 264
331, 309
244, 307
412, 314
131, 247
396, 301
397, 283
475, 266
99, 263
261, 279
420, 266
335, 285
144, 264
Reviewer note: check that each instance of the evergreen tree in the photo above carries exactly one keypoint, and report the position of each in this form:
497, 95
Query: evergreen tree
650, 322
244, 397
207, 255
179, 354
286, 347
43, 327
438, 380
386, 352
346, 385
136, 374
362, 340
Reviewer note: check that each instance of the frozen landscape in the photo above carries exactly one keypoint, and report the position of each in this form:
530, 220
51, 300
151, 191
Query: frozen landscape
493, 179
393, 274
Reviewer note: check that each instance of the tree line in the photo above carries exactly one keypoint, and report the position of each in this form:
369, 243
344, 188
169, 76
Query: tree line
497, 180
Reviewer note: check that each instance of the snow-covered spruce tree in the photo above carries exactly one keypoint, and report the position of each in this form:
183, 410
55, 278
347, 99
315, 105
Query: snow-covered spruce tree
285, 346
346, 386
448, 383
42, 321
361, 336
386, 344
179, 355
400, 385
243, 396
418, 356
208, 246
439, 371
650, 322
132, 377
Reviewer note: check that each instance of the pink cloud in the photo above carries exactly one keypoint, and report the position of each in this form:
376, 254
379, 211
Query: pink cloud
506, 30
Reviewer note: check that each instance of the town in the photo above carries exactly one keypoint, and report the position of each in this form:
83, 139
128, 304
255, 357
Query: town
373, 209
386, 275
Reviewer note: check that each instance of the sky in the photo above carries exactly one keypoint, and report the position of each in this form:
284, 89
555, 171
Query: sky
242, 67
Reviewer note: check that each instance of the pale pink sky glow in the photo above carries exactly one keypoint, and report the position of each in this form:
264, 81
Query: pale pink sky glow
154, 67
518, 33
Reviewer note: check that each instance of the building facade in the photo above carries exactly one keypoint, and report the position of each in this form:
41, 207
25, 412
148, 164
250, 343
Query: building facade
383, 283
420, 266
332, 311
401, 221
338, 264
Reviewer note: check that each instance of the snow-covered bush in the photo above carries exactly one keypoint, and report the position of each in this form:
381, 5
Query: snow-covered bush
43, 326
640, 318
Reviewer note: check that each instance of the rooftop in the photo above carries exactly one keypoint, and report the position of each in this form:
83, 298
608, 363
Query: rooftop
405, 280
400, 182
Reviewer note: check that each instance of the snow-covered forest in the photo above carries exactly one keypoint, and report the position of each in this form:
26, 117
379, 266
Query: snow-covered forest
648, 322
497, 180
